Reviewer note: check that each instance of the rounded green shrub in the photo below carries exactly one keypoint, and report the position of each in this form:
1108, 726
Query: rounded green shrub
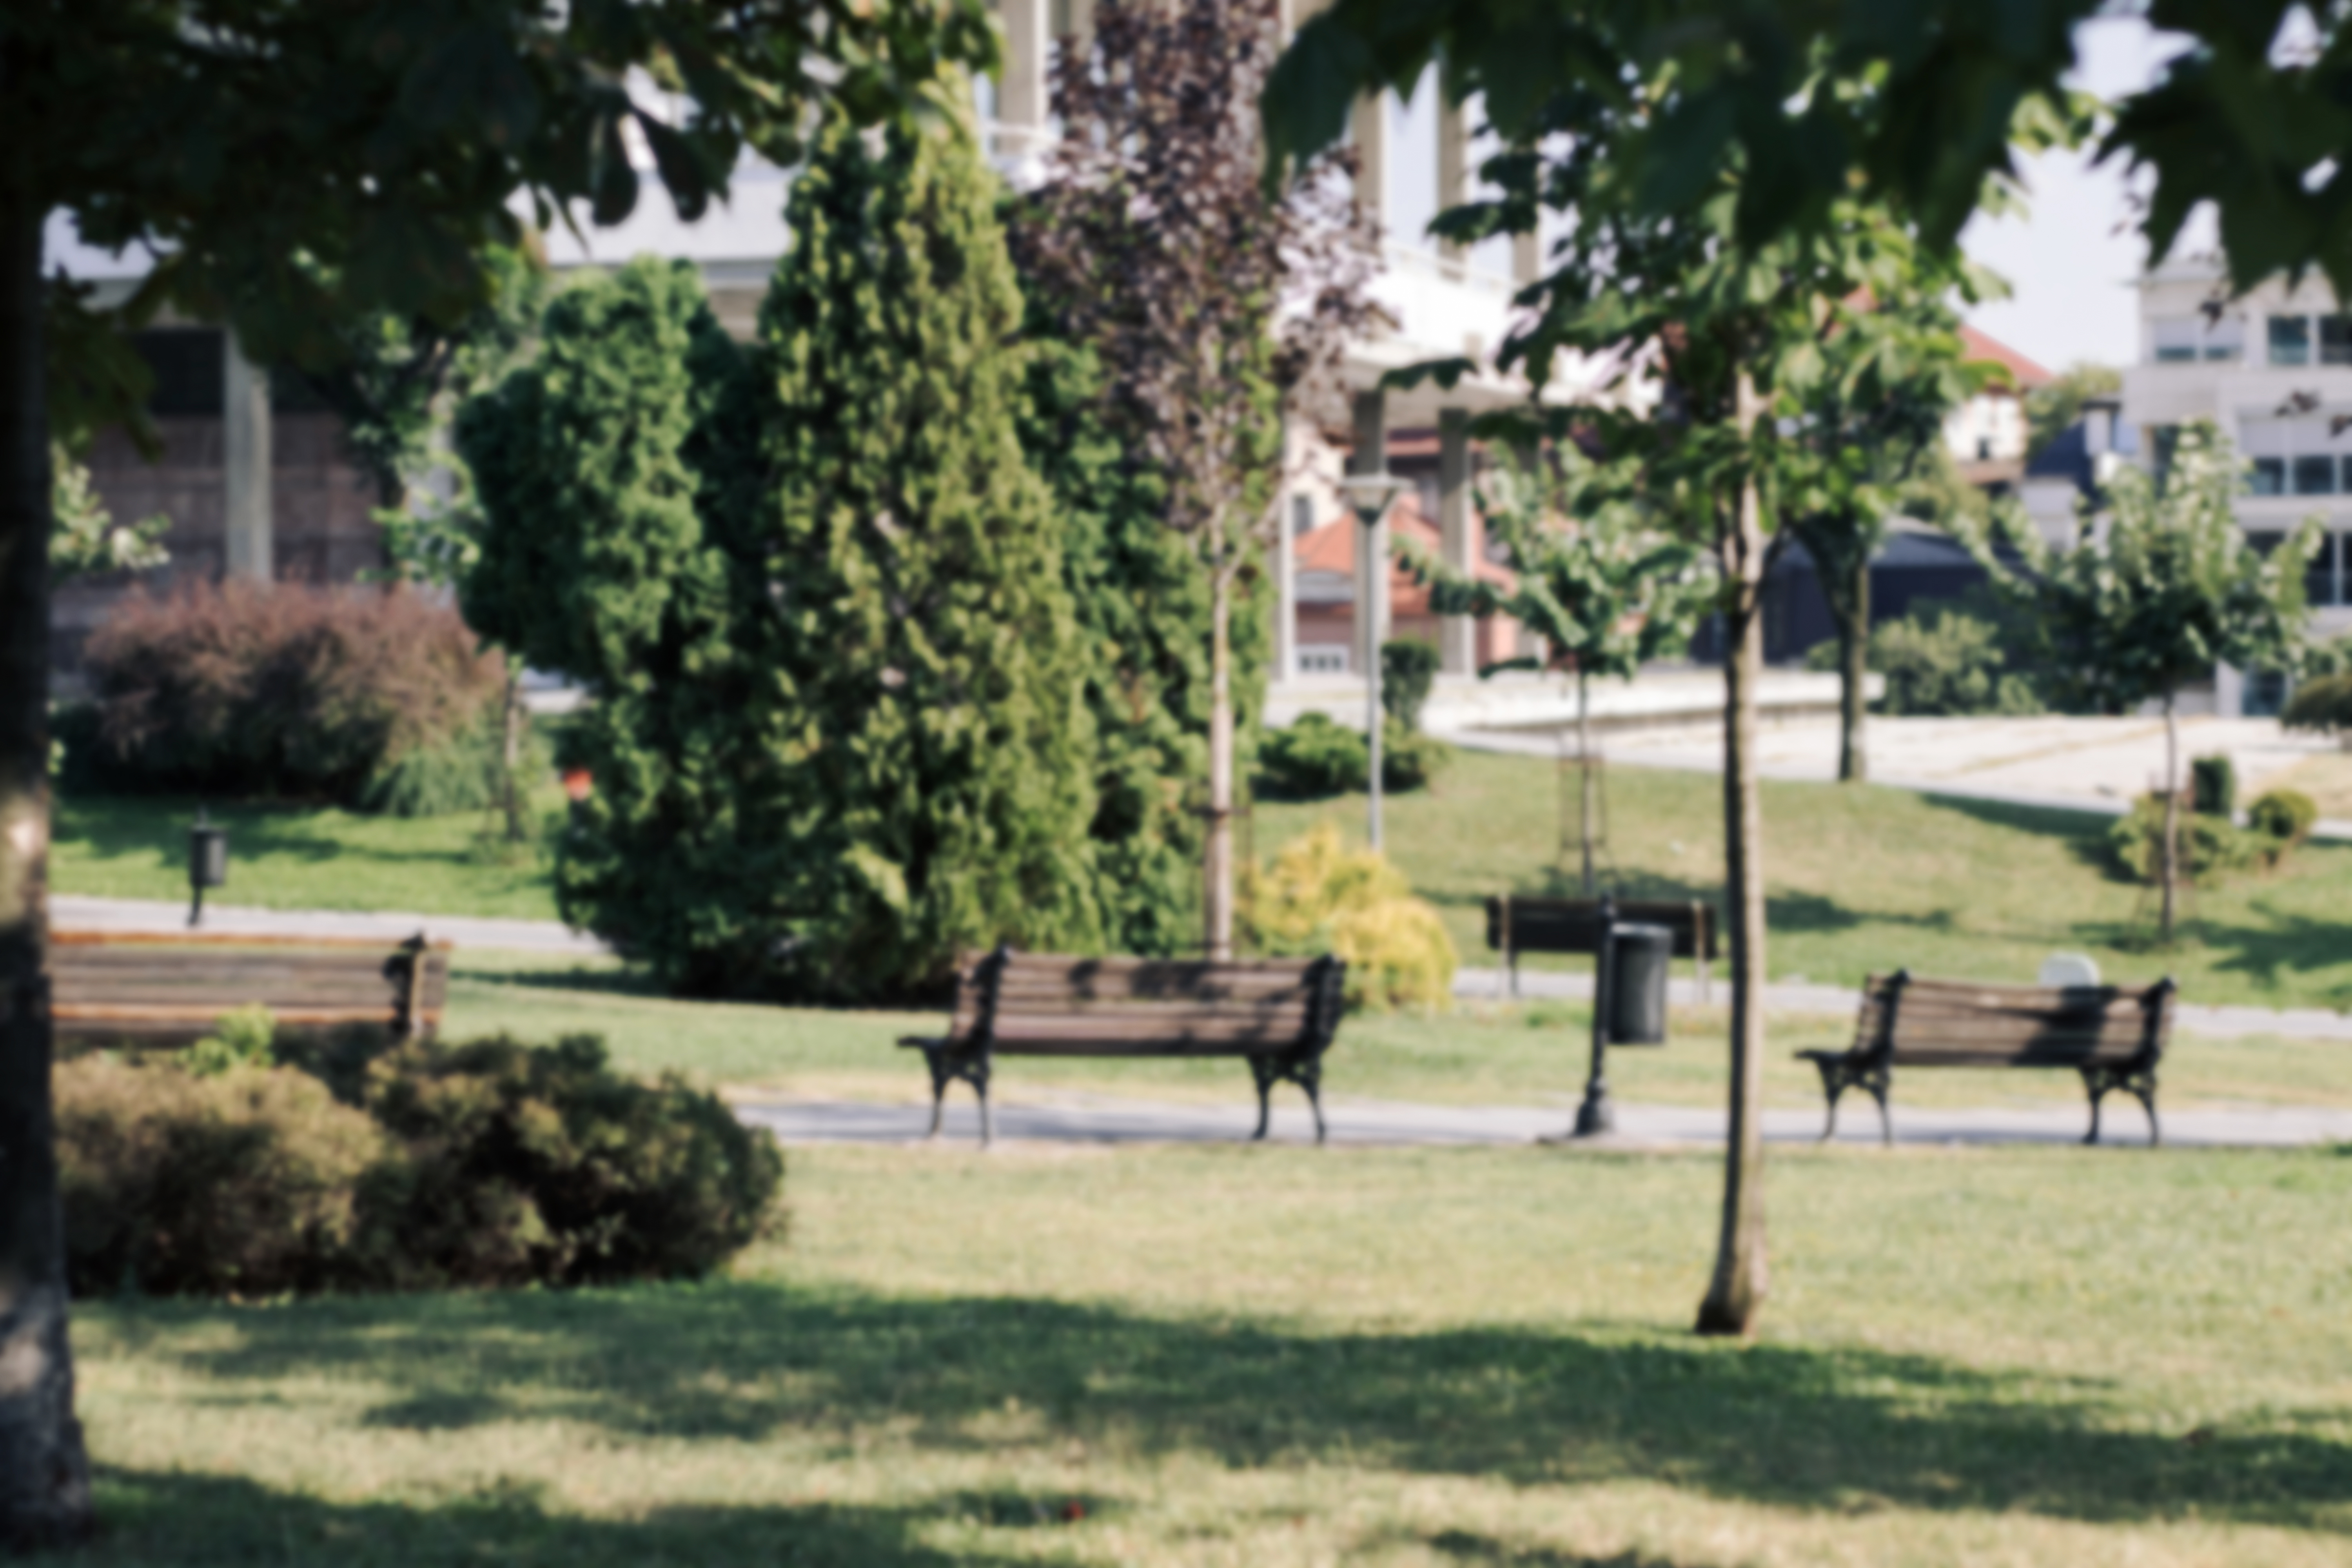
1312, 758
1318, 895
2285, 814
2209, 847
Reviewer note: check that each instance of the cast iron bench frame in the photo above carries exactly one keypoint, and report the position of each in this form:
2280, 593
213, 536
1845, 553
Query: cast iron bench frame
1279, 1013
170, 989
2112, 1034
1517, 924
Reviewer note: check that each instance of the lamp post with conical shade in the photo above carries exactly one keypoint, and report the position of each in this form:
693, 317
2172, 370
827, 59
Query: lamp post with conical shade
1370, 496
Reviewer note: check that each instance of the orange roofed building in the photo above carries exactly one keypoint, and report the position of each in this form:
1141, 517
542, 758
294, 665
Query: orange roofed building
1324, 562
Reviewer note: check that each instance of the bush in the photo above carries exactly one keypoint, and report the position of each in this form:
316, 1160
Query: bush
1316, 757
489, 1164
2209, 847
2213, 785
247, 690
2324, 704
1945, 659
243, 1183
242, 1037
1318, 896
1408, 669
540, 1166
2285, 814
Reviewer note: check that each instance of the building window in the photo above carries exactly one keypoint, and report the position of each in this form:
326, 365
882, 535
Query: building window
1323, 659
2319, 572
2314, 476
2264, 544
2265, 694
1984, 448
2266, 477
2290, 339
1302, 515
2335, 340
2177, 340
2226, 338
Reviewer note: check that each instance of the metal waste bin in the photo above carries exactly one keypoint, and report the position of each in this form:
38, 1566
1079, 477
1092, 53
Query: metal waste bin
207, 862
1639, 957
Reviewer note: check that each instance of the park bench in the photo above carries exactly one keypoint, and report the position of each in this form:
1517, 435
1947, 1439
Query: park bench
170, 989
1277, 1013
2112, 1034
1516, 925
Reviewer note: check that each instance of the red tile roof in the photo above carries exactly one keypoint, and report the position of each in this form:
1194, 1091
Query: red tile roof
2024, 371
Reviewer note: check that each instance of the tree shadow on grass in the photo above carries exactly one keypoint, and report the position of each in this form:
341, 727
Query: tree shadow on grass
183, 1519
1788, 1426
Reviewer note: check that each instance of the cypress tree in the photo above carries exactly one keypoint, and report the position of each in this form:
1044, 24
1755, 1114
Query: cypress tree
925, 665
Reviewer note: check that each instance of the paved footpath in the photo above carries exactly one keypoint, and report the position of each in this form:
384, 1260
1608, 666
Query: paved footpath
1046, 1116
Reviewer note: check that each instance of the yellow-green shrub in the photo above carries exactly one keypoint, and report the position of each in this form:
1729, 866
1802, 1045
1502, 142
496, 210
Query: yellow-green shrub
1318, 895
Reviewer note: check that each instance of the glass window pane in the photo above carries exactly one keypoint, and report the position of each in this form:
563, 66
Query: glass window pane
2319, 575
2335, 340
2290, 339
2348, 475
2314, 476
1412, 164
2177, 339
2226, 338
2267, 477
2264, 544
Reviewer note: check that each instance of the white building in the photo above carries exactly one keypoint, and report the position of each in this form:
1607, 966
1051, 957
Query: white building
2273, 369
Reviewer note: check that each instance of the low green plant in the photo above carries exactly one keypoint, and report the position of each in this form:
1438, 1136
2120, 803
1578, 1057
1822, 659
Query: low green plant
463, 773
422, 1166
2285, 814
1316, 758
1318, 895
1408, 671
2324, 704
2209, 847
1949, 658
2213, 783
243, 1037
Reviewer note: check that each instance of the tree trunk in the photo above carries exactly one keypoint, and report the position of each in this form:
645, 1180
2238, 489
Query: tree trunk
1584, 763
2167, 853
1854, 661
511, 756
43, 1474
1218, 903
1736, 1292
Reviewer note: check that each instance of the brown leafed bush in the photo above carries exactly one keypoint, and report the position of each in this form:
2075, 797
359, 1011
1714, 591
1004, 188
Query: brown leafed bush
244, 1183
285, 690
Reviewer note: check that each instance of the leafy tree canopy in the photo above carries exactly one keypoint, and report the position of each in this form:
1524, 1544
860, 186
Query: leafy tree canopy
2051, 411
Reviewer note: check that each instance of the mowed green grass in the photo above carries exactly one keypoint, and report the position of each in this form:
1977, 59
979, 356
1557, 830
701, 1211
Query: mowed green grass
1860, 879
305, 857
1287, 1356
1481, 1053
1865, 880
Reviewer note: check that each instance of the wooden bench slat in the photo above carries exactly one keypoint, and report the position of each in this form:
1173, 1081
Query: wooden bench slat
176, 987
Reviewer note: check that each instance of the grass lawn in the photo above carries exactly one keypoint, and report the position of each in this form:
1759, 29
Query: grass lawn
1864, 880
1277, 1356
303, 858
1482, 1054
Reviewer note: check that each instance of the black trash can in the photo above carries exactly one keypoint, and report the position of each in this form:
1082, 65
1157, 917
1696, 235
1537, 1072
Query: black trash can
1640, 957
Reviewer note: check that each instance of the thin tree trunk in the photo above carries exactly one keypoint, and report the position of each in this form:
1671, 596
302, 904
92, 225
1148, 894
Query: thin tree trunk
1741, 1273
1219, 901
511, 756
1853, 650
1585, 763
2167, 853
43, 1473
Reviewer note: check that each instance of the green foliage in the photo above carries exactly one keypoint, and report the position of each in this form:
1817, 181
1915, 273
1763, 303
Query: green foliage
2213, 785
1408, 670
2167, 590
540, 1165
2324, 704
839, 727
463, 773
85, 541
2286, 815
1315, 757
245, 1183
248, 690
1945, 658
2051, 410
422, 1167
2210, 848
1317, 896
242, 1037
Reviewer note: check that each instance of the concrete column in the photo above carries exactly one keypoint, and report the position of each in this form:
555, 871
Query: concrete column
1368, 128
1452, 165
1456, 634
1527, 259
1372, 607
1024, 93
1286, 558
245, 463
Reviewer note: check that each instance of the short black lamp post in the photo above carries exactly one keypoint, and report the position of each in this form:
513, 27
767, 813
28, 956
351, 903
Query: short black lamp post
208, 863
1369, 496
1629, 1005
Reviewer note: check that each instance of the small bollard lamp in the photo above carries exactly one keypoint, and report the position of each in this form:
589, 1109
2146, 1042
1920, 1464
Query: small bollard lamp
1370, 496
1629, 1003
208, 863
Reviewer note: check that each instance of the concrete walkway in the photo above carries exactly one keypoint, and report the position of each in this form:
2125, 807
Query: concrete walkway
69, 913
1044, 1117
2052, 762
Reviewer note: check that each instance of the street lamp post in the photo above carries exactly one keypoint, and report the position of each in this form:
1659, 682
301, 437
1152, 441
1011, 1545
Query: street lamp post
1369, 496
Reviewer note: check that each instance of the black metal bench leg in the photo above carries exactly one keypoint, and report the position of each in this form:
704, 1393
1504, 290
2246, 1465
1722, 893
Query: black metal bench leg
2097, 1084
1833, 1084
1265, 1077
1880, 1084
940, 1077
1310, 1078
2144, 1087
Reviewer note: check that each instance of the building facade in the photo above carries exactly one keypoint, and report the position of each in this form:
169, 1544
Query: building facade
2272, 370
